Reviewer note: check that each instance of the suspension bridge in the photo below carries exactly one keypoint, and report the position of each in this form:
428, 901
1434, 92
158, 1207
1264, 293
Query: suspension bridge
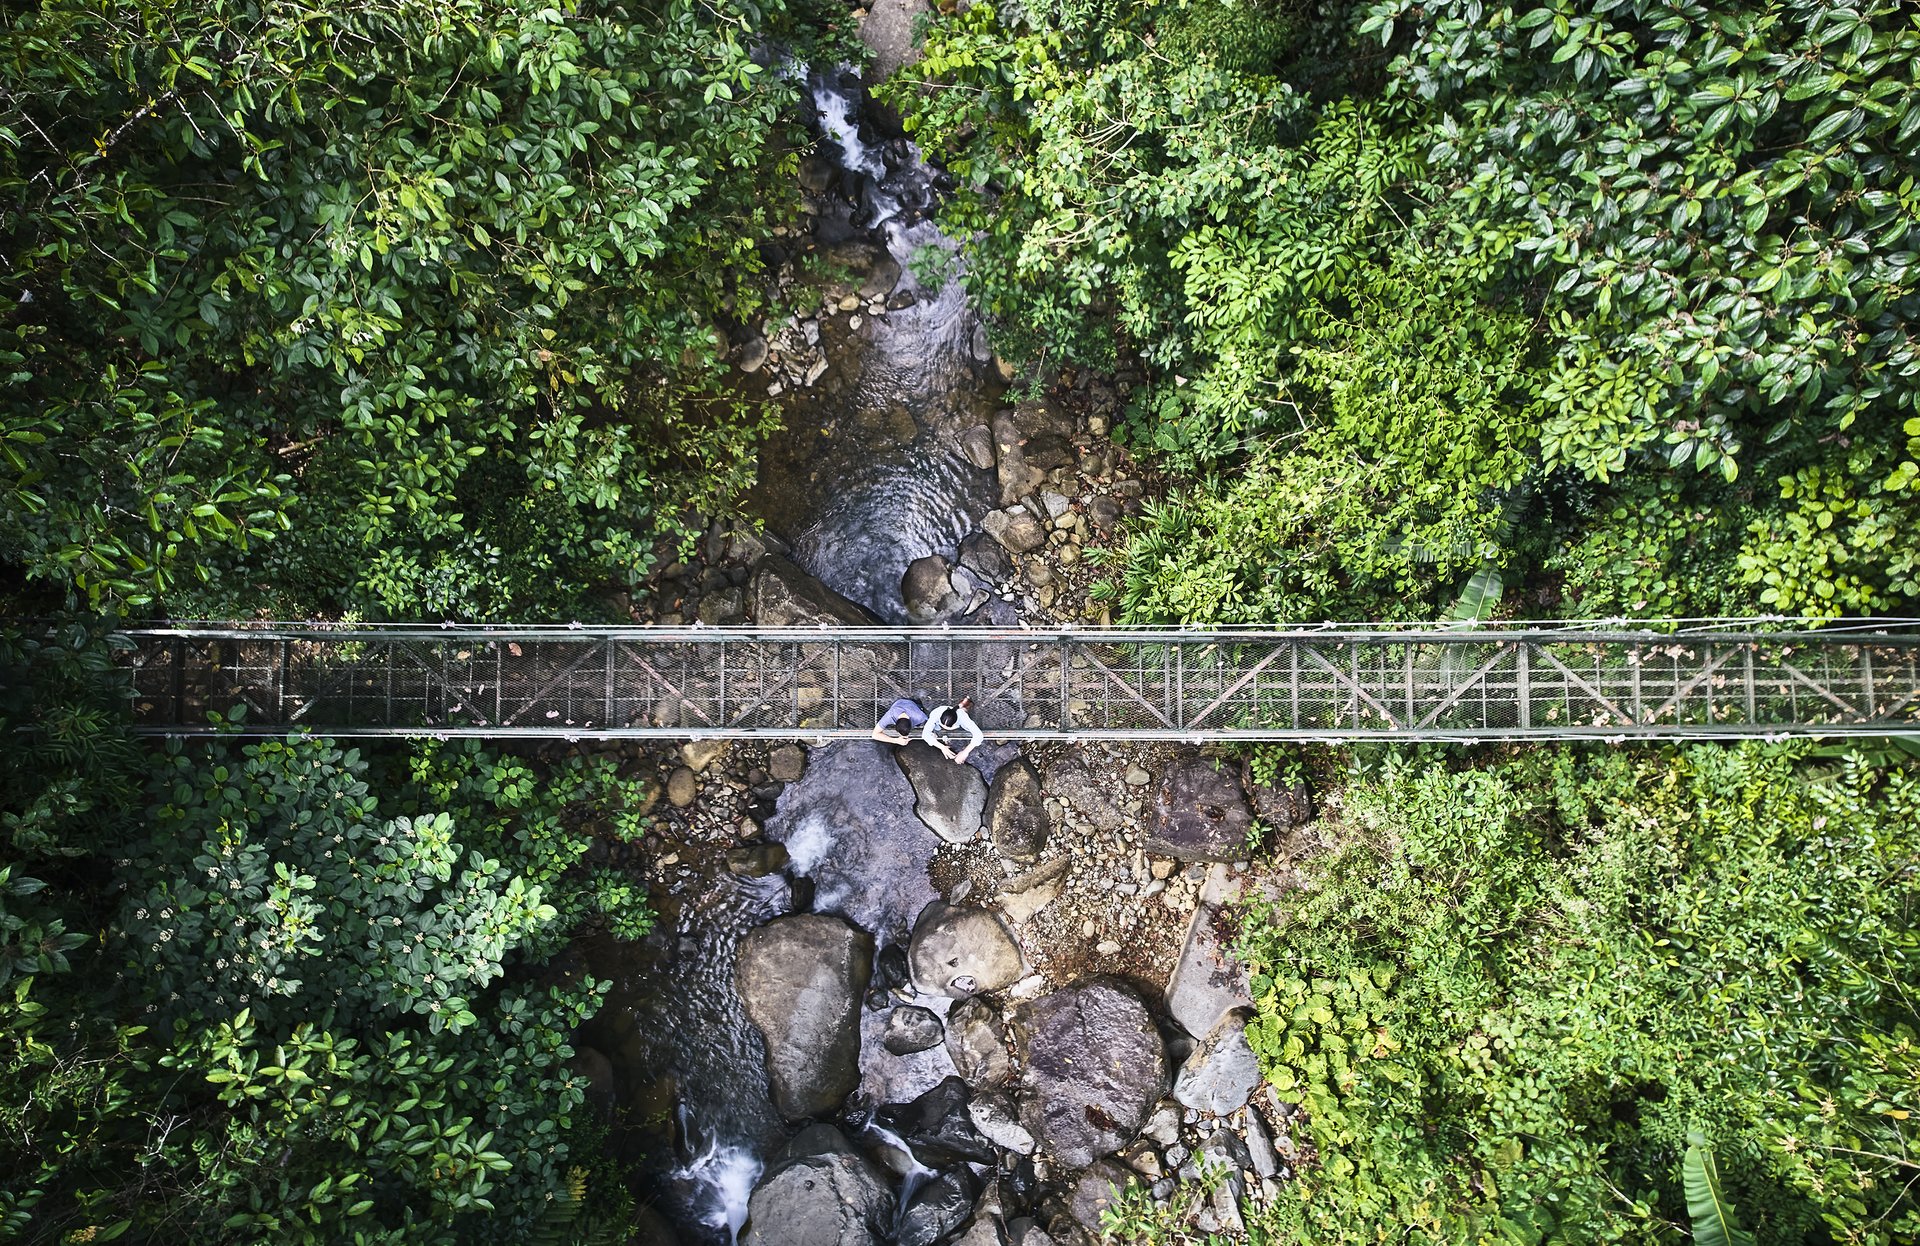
1687, 679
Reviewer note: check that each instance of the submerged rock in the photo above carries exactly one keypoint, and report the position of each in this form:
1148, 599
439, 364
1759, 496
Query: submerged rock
1092, 1067
800, 980
1200, 814
937, 1127
960, 952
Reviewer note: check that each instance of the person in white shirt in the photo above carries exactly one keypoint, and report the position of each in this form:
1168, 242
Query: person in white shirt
962, 721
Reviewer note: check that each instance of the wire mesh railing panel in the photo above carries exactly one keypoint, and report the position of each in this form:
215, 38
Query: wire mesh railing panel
806, 683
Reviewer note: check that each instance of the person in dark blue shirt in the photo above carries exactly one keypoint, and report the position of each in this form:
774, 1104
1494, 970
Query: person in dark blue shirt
897, 725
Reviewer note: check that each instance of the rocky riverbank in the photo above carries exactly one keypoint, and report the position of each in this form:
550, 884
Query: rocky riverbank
1059, 1004
893, 1000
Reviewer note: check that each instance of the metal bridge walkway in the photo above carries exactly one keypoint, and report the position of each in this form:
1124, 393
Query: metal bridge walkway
1571, 681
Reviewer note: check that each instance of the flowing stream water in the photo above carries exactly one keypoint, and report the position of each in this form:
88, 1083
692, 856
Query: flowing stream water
865, 479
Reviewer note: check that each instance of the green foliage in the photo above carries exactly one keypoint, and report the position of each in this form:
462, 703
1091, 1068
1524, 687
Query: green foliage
1665, 244
1713, 1219
1507, 1005
329, 1020
418, 294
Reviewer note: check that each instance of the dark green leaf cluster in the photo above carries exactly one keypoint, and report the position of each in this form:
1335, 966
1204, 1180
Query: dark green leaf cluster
289, 993
406, 308
1655, 255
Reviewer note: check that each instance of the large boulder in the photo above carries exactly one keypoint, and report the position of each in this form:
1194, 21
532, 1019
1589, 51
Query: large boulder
1200, 814
831, 1198
1017, 812
1208, 980
977, 1042
785, 596
928, 592
960, 952
1221, 1072
800, 979
1092, 1066
951, 799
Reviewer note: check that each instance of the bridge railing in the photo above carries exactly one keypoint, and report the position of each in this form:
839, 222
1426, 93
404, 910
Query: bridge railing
1320, 683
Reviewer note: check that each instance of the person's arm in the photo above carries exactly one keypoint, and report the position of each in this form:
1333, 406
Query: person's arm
885, 736
965, 722
931, 732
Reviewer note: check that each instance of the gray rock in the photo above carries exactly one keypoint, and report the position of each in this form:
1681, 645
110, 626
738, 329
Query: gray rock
887, 28
1074, 785
800, 980
997, 1120
1024, 1232
1207, 980
1018, 531
1104, 512
911, 1028
951, 799
981, 1231
977, 1043
1281, 805
1029, 441
836, 1198
1094, 1190
683, 788
787, 763
926, 589
884, 275
1017, 812
753, 354
937, 1208
1200, 814
977, 444
1260, 1153
785, 596
1222, 1072
722, 608
1092, 1067
1164, 1126
699, 754
816, 174
986, 557
960, 952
